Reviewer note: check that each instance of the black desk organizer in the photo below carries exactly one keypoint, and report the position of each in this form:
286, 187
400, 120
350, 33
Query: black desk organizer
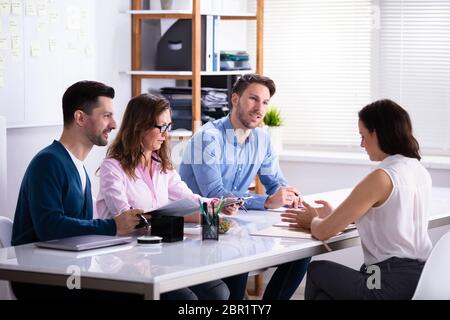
170, 228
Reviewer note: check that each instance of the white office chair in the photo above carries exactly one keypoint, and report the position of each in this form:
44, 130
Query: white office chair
6, 225
5, 241
434, 283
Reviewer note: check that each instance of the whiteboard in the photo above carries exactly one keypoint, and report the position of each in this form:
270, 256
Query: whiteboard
45, 46
3, 198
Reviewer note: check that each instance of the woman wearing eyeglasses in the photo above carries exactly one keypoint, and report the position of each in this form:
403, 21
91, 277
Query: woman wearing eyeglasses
138, 173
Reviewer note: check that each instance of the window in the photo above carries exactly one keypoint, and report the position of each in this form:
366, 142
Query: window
414, 66
330, 58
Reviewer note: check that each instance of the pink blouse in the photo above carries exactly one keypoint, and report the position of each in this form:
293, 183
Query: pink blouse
119, 192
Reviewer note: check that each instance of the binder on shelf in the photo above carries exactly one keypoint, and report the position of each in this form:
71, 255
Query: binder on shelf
216, 48
209, 47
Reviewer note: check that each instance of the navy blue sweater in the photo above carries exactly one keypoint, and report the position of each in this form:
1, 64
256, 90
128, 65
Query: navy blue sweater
51, 202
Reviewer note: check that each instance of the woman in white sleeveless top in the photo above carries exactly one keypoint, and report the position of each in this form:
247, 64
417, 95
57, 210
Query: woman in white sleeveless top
390, 208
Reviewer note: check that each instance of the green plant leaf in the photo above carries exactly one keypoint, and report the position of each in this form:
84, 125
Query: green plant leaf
273, 117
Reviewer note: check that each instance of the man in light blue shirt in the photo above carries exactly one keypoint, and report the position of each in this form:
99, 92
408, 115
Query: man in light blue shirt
225, 156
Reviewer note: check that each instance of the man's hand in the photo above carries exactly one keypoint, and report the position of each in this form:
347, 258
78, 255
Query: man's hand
285, 196
232, 209
127, 221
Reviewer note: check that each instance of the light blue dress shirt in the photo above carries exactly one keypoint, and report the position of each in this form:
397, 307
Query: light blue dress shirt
214, 164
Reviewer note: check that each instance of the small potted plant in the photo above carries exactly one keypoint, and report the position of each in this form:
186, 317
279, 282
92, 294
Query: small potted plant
273, 122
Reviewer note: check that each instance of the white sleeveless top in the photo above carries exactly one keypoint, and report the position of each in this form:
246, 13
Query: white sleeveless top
399, 227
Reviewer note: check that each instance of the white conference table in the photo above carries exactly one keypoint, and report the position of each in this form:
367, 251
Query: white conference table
153, 270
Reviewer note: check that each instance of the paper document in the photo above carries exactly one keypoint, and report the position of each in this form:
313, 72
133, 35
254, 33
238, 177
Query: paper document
178, 208
283, 230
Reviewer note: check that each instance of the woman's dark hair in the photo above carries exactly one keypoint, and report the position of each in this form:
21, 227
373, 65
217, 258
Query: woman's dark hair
392, 126
140, 116
83, 96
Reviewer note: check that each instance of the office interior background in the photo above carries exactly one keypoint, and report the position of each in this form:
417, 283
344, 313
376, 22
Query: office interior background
329, 58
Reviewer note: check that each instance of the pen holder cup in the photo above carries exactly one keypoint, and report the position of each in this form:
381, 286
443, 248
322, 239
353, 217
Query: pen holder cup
210, 227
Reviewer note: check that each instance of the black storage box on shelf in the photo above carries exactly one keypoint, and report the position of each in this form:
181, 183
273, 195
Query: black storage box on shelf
214, 105
174, 49
170, 228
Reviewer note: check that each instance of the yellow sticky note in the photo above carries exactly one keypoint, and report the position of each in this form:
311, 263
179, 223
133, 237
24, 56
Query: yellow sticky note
52, 44
16, 42
16, 54
89, 51
2, 80
13, 25
5, 7
42, 8
17, 7
72, 47
73, 18
42, 24
30, 8
2, 62
53, 15
35, 50
84, 14
82, 35
3, 42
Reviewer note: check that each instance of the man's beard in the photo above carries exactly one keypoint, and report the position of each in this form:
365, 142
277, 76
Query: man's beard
98, 140
242, 119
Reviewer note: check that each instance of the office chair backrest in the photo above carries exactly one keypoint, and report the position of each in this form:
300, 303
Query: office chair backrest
6, 226
5, 241
434, 283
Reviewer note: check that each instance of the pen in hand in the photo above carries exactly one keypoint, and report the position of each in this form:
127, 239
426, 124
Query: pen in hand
300, 200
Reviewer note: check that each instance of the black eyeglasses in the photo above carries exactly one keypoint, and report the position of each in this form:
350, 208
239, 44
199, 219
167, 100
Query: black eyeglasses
164, 128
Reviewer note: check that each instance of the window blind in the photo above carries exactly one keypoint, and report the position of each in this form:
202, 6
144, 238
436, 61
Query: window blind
319, 54
415, 66
330, 58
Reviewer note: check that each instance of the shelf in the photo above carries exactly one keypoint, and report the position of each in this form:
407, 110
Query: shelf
161, 14
185, 74
177, 75
225, 73
180, 134
186, 14
238, 16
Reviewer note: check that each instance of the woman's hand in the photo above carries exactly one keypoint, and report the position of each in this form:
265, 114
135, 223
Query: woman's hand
325, 210
300, 218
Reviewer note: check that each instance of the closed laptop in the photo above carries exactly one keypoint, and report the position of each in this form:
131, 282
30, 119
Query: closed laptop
81, 243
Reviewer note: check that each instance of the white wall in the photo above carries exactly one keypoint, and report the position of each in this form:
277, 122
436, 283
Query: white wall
113, 43
314, 177
310, 177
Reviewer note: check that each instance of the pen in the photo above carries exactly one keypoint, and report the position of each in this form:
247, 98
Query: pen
145, 220
300, 200
326, 246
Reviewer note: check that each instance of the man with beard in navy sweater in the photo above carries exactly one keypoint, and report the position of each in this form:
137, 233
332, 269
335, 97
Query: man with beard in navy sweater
55, 199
